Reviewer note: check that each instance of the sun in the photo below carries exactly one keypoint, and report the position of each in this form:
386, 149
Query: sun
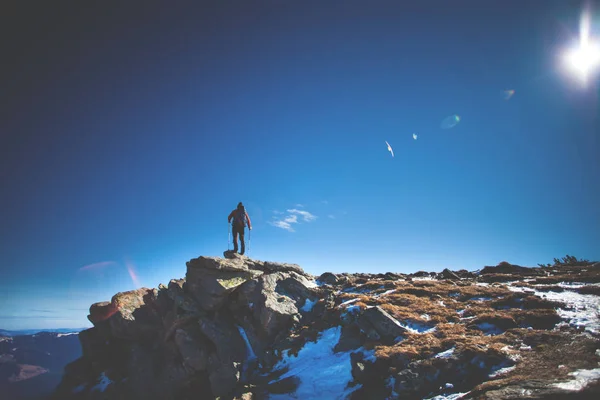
585, 58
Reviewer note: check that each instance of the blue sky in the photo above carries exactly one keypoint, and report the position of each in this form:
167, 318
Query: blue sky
128, 135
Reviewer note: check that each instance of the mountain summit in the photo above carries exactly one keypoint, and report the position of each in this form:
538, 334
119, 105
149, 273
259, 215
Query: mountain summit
238, 328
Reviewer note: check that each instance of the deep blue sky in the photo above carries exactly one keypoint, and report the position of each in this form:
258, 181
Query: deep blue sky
128, 134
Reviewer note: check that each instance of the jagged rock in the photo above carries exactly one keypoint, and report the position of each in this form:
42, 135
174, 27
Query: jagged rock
101, 311
328, 278
447, 274
223, 377
273, 300
270, 266
192, 348
229, 344
408, 382
93, 343
210, 279
135, 316
383, 323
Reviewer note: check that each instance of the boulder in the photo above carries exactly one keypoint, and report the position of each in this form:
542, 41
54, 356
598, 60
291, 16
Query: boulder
447, 274
136, 315
209, 280
101, 312
328, 279
192, 348
383, 323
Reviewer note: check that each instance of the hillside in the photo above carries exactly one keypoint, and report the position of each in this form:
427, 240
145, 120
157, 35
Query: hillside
31, 366
240, 328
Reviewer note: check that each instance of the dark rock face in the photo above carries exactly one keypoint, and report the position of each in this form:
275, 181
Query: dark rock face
238, 328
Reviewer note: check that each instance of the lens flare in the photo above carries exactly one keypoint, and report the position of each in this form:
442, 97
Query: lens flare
450, 122
132, 274
508, 94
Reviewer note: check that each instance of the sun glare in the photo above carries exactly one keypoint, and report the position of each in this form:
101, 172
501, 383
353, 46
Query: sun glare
584, 59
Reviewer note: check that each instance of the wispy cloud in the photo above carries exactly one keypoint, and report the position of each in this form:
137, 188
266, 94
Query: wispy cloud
282, 225
305, 214
324, 202
299, 205
292, 218
97, 265
42, 311
331, 216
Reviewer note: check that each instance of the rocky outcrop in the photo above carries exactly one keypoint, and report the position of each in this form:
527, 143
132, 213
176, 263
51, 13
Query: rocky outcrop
159, 343
238, 328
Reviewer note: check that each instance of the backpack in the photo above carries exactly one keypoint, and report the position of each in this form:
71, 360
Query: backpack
239, 218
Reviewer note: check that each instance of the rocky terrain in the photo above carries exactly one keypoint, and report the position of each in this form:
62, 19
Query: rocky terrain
238, 328
31, 366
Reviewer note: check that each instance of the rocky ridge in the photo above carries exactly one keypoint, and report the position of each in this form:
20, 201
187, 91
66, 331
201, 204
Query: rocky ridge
238, 328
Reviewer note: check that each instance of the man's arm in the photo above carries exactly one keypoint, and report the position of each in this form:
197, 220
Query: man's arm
248, 218
230, 216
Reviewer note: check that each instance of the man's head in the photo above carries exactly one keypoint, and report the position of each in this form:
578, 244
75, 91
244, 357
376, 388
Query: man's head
240, 205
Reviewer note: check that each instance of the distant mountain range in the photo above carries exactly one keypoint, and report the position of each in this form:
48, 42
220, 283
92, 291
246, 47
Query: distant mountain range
7, 333
32, 361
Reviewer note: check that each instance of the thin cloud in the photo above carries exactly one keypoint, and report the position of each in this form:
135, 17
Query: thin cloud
292, 218
282, 225
324, 202
97, 265
43, 311
277, 212
331, 216
308, 217
299, 205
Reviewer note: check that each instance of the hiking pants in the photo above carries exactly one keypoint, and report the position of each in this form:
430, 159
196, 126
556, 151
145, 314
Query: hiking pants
238, 230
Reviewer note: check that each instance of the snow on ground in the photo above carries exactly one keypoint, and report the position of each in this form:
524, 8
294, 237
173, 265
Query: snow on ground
323, 374
308, 305
312, 284
480, 299
445, 354
385, 293
103, 384
489, 329
501, 371
416, 327
249, 350
349, 302
453, 396
423, 278
583, 377
581, 310
67, 334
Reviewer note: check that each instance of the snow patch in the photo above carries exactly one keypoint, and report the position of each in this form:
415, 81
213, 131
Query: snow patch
67, 334
311, 284
103, 384
583, 377
453, 396
322, 373
416, 327
501, 371
249, 350
489, 329
480, 299
445, 354
349, 302
308, 305
581, 309
385, 293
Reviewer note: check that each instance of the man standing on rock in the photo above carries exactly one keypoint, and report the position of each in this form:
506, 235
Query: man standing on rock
240, 217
